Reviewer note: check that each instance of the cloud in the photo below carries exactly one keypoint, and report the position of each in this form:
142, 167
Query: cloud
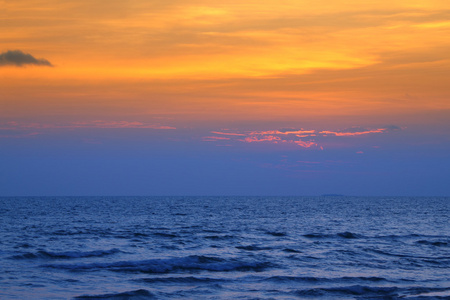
116, 124
227, 133
305, 144
285, 132
309, 138
277, 139
214, 138
269, 138
287, 136
19, 59
355, 133
90, 124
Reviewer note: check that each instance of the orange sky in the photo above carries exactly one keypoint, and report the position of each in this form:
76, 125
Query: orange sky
216, 60
292, 97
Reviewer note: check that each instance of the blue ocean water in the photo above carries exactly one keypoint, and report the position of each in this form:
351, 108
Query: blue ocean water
224, 248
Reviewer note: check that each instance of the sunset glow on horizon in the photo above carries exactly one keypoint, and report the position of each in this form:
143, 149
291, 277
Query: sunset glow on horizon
208, 89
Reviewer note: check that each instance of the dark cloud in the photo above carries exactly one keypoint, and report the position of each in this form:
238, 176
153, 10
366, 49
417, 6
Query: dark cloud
19, 59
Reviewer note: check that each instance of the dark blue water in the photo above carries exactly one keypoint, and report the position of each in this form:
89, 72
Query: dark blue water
224, 248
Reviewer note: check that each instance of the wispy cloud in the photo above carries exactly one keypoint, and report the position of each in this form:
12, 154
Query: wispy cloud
285, 132
287, 136
18, 58
228, 133
305, 144
352, 133
117, 124
89, 124
309, 138
268, 138
356, 131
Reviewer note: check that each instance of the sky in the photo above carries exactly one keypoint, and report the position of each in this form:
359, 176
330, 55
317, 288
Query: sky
195, 97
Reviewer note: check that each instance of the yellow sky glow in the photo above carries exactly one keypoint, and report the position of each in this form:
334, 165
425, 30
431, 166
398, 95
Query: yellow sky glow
256, 59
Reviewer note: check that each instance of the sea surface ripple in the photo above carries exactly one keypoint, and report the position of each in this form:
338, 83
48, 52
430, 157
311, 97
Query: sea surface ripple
224, 248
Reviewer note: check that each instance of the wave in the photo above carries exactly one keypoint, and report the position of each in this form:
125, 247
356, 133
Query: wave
187, 280
189, 263
219, 237
179, 214
131, 295
253, 248
163, 234
290, 250
416, 239
282, 279
377, 292
441, 258
81, 231
140, 234
424, 239
349, 235
434, 243
354, 290
65, 255
345, 235
24, 245
275, 233
210, 230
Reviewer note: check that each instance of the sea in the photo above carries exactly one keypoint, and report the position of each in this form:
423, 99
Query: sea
330, 247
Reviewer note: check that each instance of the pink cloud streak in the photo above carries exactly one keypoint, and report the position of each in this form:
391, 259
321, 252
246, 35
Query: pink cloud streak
272, 132
305, 144
215, 138
296, 137
269, 138
228, 133
379, 130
